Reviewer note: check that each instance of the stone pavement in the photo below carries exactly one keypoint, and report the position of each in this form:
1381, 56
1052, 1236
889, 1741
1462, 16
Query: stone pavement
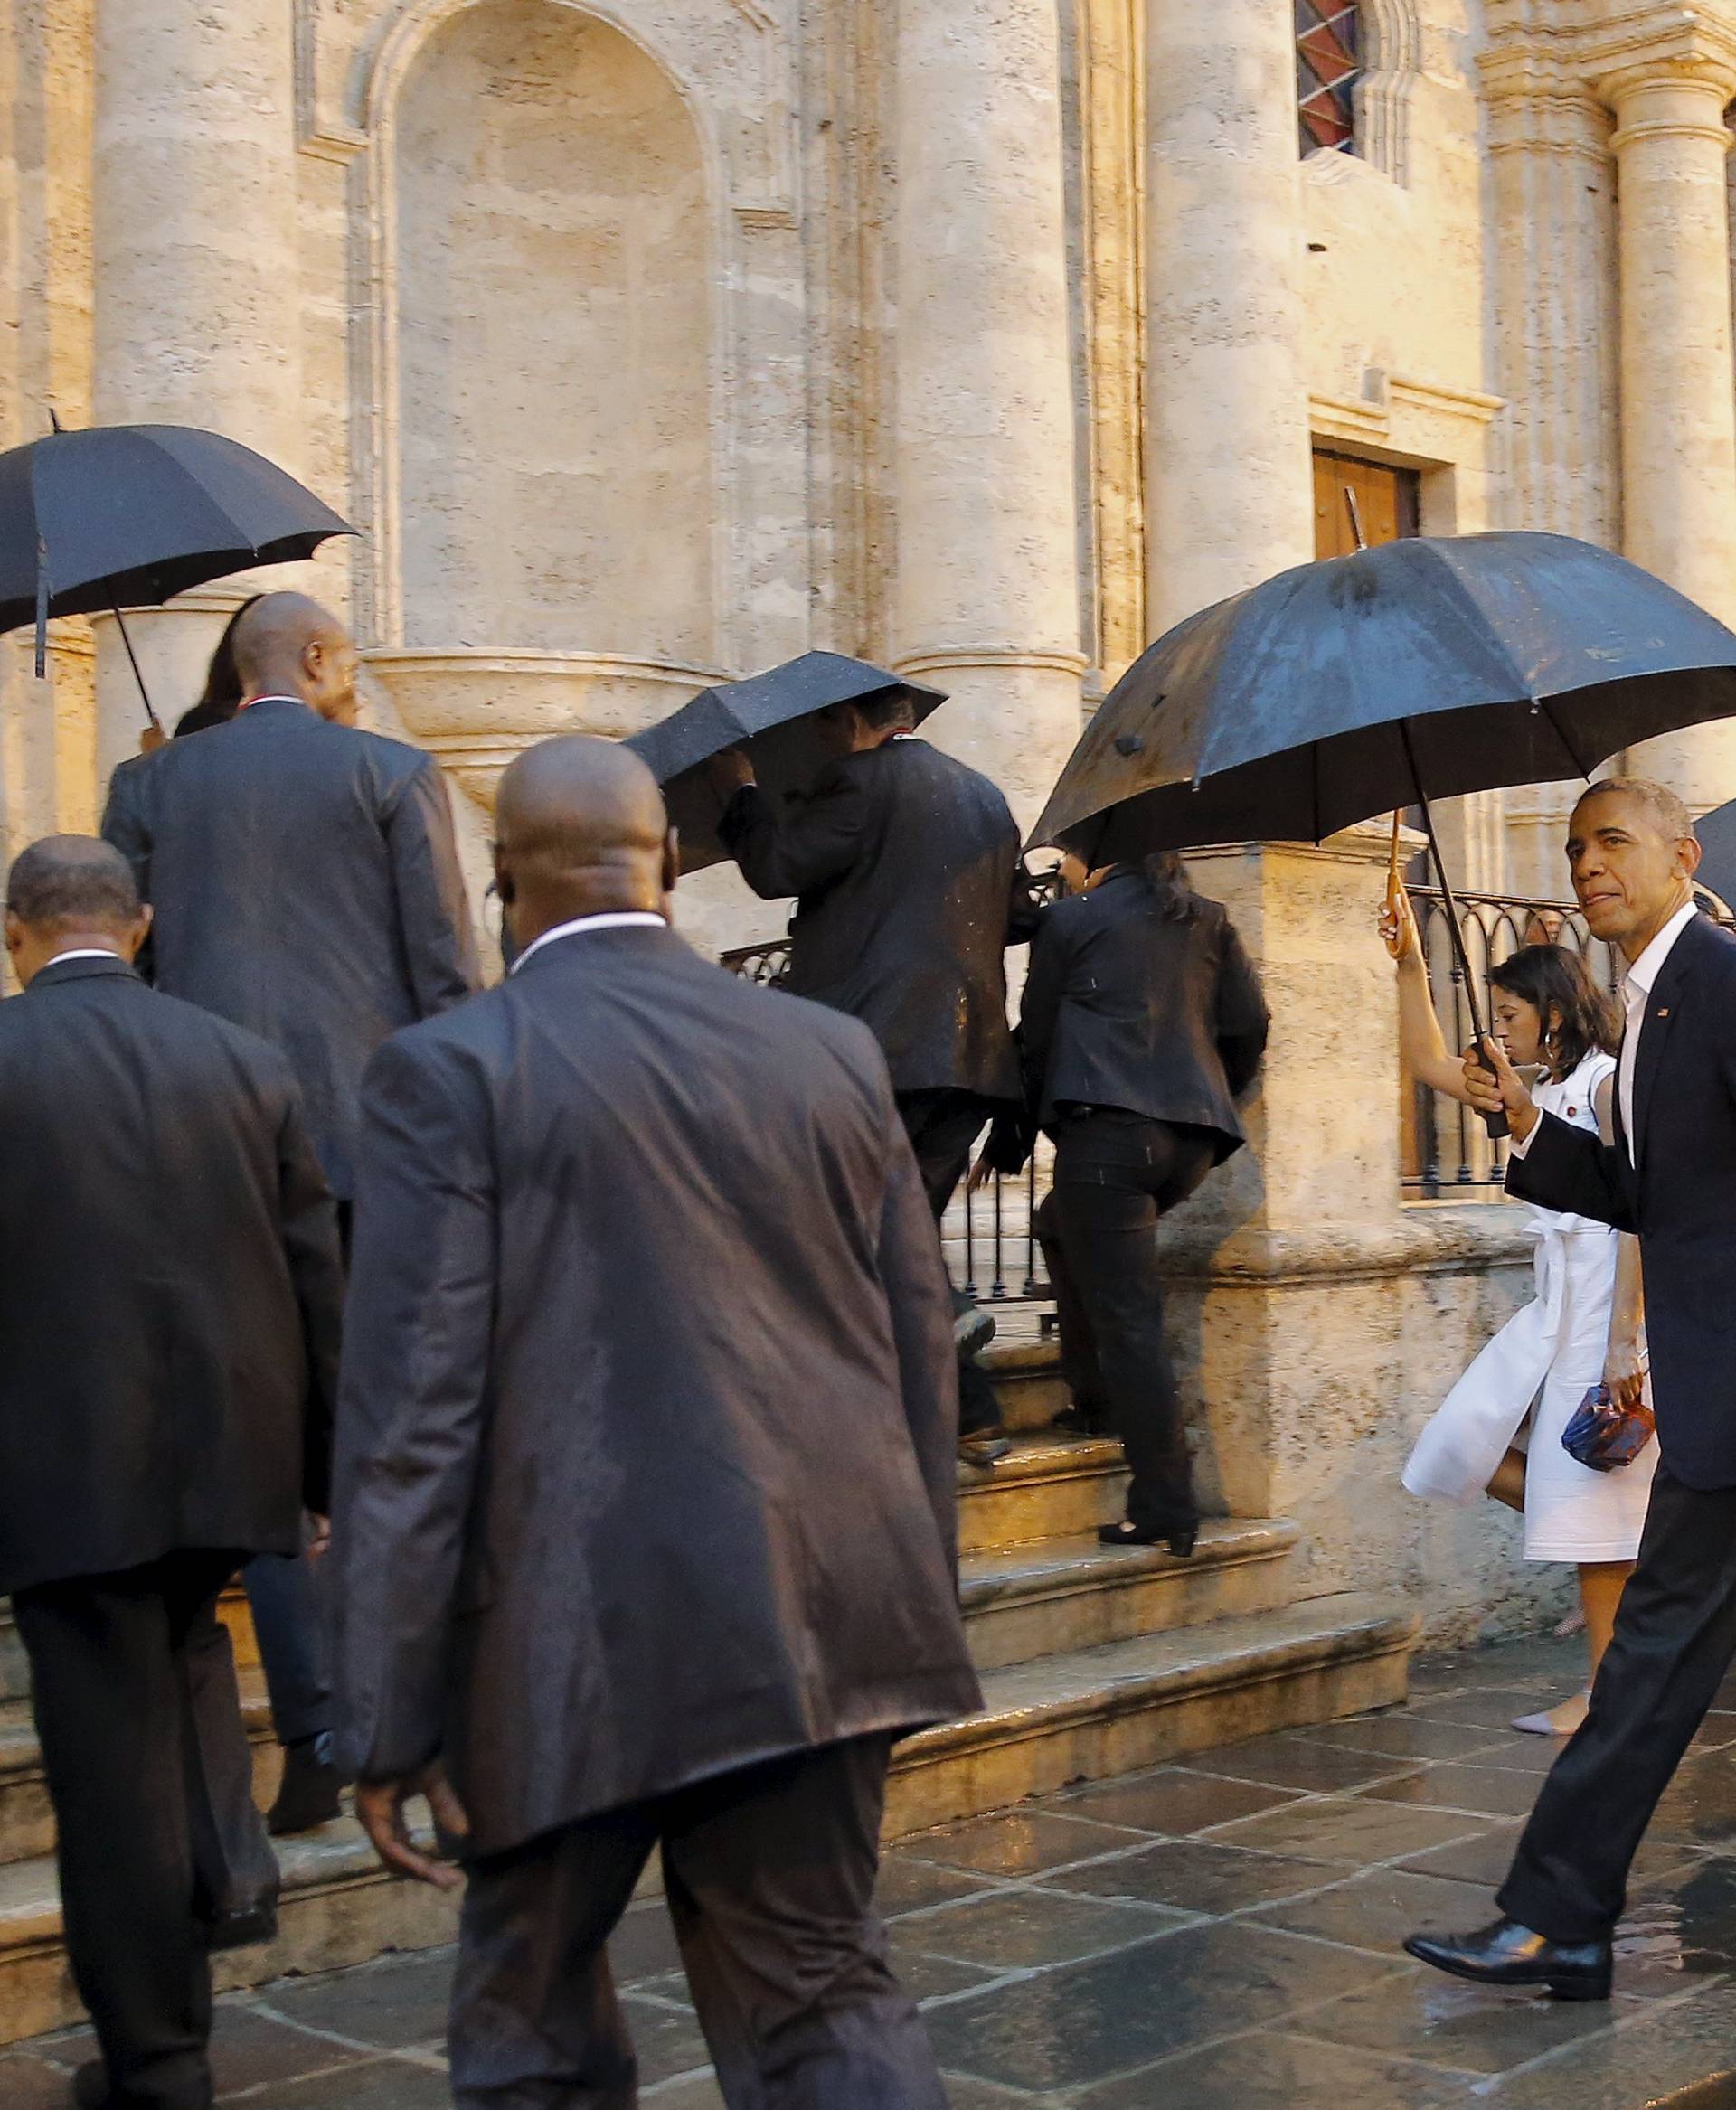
1220, 1933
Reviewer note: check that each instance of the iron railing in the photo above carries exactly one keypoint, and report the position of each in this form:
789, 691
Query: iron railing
1446, 1151
991, 1232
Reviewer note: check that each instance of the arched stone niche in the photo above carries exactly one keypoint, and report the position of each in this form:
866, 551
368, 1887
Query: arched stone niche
578, 354
554, 343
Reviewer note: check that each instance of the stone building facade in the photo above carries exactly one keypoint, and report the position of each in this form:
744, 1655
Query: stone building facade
650, 341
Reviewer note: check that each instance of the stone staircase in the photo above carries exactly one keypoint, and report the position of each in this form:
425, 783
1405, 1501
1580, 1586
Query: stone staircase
1095, 1662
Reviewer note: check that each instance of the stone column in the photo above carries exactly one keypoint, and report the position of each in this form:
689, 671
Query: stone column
1556, 324
1229, 484
986, 603
1678, 408
197, 297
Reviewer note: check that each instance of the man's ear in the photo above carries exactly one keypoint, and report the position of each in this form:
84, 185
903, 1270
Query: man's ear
14, 932
671, 861
139, 930
1688, 849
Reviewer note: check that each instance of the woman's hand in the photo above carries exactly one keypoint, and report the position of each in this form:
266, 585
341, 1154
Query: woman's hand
1399, 930
1624, 1373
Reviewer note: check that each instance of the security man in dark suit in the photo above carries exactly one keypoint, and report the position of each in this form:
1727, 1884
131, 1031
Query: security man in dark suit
1670, 1175
1142, 1025
905, 866
170, 1300
305, 884
645, 1480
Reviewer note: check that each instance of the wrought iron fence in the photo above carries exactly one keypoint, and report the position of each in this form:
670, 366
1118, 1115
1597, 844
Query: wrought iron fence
991, 1232
1446, 1150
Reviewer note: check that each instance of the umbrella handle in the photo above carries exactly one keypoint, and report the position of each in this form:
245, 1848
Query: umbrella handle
1496, 1124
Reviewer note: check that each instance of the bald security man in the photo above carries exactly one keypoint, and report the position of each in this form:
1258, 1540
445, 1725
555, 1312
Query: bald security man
170, 1299
305, 884
645, 1508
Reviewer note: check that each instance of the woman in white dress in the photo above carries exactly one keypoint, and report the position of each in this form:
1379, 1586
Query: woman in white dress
1584, 1326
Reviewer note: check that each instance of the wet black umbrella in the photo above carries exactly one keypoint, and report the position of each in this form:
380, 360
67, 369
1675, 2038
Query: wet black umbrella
1423, 669
129, 516
771, 715
1717, 874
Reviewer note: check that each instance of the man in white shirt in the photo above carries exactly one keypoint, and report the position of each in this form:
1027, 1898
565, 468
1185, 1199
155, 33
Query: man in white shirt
1670, 1176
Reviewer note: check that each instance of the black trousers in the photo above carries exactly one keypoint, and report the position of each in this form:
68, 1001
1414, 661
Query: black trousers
288, 1627
1116, 1176
1674, 1638
141, 1855
243, 1876
770, 1876
942, 1126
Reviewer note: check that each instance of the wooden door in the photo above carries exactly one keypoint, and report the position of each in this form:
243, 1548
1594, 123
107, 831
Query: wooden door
1385, 500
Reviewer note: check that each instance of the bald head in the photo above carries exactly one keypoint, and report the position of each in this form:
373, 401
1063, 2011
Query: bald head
581, 829
70, 893
286, 645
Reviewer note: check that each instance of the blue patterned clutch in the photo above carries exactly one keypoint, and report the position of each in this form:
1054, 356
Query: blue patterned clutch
1604, 1435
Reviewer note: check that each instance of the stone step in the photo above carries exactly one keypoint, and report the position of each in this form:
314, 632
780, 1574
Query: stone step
1084, 1715
1096, 1712
1058, 1595
1027, 1377
1047, 1487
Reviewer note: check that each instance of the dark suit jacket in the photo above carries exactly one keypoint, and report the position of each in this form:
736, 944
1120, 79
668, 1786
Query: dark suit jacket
1680, 1197
1123, 1008
170, 1286
646, 1456
905, 866
307, 885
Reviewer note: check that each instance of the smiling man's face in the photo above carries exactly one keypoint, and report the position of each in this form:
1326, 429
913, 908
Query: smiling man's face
1631, 876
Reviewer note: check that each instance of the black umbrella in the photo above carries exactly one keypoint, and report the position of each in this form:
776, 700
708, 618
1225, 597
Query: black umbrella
1717, 874
1423, 669
129, 516
773, 716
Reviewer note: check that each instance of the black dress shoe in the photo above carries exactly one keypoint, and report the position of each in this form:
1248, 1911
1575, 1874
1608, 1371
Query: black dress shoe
90, 2091
307, 1796
972, 1326
1507, 1953
242, 1930
1179, 1543
984, 1447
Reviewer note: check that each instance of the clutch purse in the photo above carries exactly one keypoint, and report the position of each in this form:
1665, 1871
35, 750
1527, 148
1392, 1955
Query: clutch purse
1605, 1437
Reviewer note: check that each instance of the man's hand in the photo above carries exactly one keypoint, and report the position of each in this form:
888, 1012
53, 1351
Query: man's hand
319, 1537
380, 1806
1624, 1374
729, 772
1500, 1090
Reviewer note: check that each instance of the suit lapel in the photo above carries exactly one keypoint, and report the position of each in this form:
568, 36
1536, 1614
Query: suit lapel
1663, 1008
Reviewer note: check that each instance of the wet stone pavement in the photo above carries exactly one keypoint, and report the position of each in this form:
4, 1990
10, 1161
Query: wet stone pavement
1220, 1933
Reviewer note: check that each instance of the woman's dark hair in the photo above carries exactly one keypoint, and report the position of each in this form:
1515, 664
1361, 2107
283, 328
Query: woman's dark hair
1551, 978
1173, 889
221, 698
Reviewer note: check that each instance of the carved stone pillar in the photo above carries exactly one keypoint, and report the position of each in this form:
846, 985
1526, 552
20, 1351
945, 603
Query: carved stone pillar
986, 599
1229, 491
1555, 351
1678, 408
197, 302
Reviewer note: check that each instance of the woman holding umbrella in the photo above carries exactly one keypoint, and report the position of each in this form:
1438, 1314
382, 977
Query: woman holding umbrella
1582, 1328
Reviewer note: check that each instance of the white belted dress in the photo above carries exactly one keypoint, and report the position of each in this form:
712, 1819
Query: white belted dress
1546, 1356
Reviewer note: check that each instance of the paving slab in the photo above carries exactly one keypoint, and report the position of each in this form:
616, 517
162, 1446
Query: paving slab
1220, 1932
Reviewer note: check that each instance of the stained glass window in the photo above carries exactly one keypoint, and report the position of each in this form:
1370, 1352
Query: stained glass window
1327, 63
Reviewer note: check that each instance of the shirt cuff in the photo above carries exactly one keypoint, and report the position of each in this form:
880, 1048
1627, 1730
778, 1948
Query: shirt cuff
1517, 1149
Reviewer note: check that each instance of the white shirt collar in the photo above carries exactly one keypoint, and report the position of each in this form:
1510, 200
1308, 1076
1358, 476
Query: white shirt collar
84, 952
614, 920
253, 700
1641, 978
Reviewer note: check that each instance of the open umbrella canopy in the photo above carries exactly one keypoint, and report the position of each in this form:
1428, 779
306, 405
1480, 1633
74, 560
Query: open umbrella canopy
771, 715
1422, 669
127, 516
